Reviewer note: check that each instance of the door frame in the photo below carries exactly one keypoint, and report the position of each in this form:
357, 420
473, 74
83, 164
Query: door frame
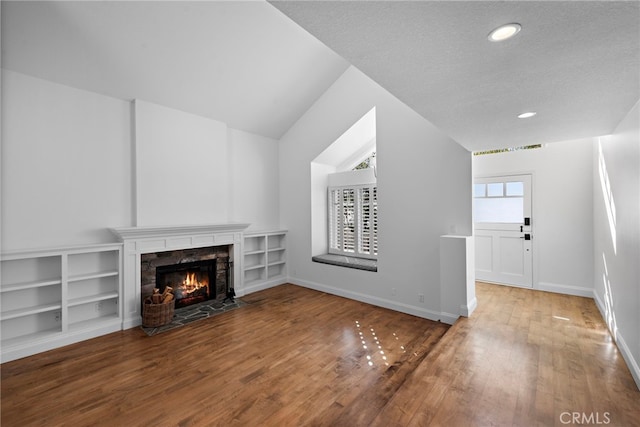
534, 216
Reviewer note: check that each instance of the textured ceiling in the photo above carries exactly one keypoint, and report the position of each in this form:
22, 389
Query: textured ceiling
577, 63
243, 63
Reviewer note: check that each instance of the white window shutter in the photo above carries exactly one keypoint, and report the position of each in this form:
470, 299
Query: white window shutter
353, 220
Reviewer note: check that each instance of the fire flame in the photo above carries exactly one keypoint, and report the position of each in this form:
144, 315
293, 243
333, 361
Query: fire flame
191, 283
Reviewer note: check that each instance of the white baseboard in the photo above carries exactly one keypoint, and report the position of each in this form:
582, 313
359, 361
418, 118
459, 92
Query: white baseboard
632, 364
56, 340
447, 318
263, 285
131, 322
467, 310
566, 289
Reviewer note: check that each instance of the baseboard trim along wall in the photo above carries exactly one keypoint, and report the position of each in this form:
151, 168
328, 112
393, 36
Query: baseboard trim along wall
632, 364
466, 310
578, 291
262, 286
447, 318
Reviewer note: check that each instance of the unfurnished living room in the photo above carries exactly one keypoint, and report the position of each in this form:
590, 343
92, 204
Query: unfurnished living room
193, 234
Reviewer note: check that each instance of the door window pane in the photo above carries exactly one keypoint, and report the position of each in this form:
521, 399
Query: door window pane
495, 189
515, 188
479, 190
499, 209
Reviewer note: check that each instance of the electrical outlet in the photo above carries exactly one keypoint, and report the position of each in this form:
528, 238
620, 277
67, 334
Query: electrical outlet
421, 296
58, 316
98, 306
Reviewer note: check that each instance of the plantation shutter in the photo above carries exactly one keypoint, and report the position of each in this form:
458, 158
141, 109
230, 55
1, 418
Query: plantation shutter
335, 225
353, 221
374, 221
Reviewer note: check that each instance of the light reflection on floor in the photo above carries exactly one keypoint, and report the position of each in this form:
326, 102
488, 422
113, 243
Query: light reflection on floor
375, 352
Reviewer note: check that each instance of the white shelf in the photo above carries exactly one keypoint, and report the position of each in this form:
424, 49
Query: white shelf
92, 298
98, 322
30, 285
82, 277
22, 312
54, 287
264, 258
254, 282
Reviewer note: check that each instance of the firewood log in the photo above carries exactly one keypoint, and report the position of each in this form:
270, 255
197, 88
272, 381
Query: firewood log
167, 290
156, 298
167, 299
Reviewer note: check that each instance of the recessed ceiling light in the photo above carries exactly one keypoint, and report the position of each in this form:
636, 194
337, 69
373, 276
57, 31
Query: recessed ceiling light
504, 32
527, 115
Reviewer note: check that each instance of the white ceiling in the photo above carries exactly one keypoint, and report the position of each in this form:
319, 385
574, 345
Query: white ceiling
243, 63
577, 63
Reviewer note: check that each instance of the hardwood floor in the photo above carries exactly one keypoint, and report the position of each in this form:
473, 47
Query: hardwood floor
295, 356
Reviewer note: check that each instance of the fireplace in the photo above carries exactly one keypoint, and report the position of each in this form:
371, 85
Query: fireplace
138, 270
189, 281
195, 275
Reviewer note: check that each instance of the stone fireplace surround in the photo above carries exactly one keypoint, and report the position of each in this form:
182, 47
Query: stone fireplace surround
150, 239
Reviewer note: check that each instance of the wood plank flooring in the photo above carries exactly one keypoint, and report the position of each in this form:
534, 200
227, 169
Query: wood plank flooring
524, 358
296, 357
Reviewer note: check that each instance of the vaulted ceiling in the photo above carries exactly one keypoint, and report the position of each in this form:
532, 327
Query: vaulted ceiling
243, 63
253, 66
575, 63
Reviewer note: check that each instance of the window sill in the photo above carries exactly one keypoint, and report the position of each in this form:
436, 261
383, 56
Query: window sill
347, 261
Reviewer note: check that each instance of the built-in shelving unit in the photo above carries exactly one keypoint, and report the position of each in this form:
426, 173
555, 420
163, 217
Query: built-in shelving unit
58, 296
264, 263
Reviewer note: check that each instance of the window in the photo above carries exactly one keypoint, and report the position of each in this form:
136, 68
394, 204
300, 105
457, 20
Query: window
501, 202
505, 150
353, 221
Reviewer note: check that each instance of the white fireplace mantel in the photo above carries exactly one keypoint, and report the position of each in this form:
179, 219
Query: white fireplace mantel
154, 231
148, 239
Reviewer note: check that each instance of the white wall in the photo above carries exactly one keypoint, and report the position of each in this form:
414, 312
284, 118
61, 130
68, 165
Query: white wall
69, 171
182, 168
353, 146
319, 216
353, 177
616, 178
66, 164
562, 215
424, 184
254, 180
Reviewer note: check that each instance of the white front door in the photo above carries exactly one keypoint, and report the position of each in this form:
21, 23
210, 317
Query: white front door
503, 230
